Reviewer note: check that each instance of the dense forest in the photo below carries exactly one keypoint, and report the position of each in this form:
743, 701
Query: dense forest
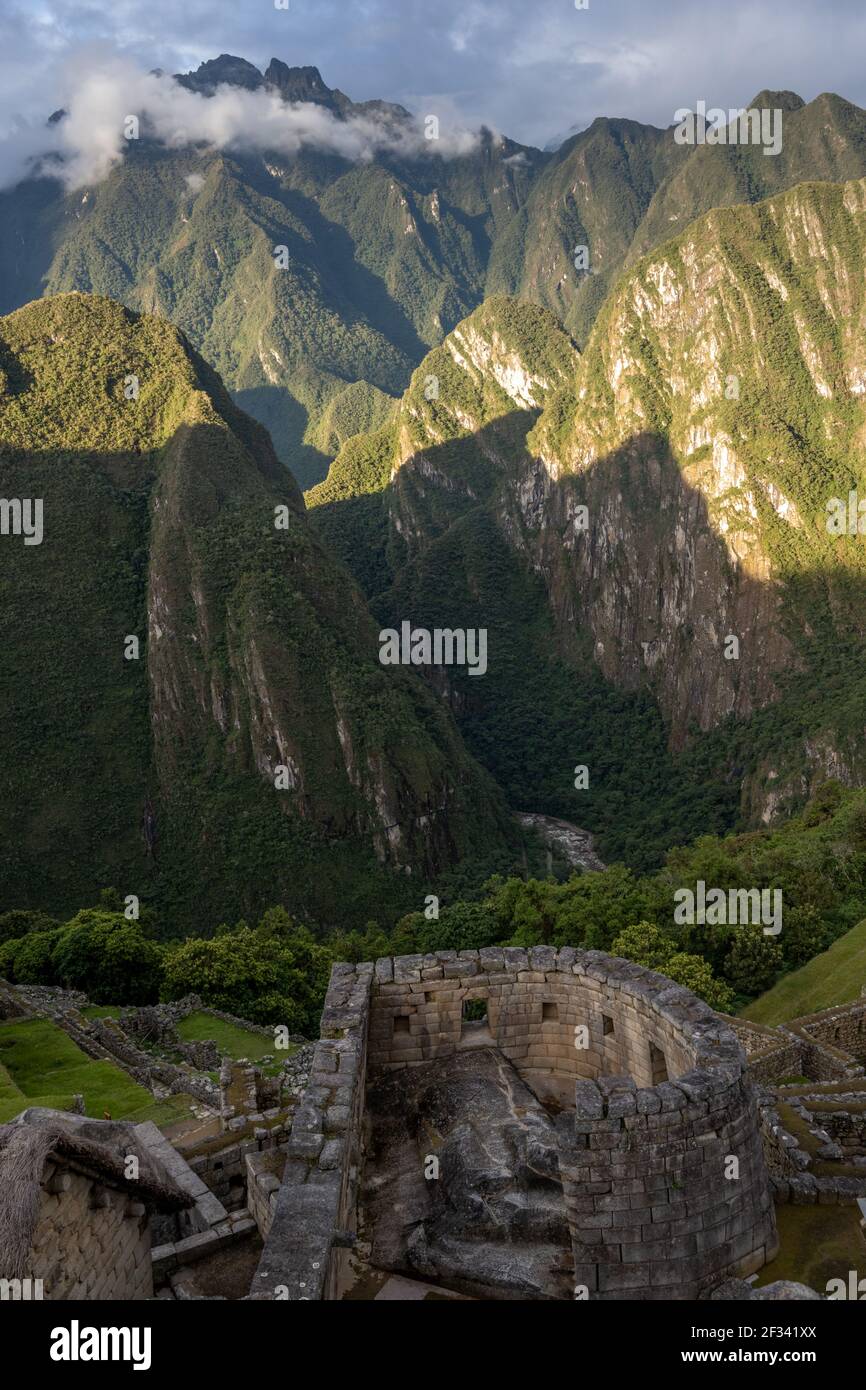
275, 970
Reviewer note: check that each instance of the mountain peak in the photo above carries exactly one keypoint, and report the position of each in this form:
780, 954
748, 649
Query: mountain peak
777, 101
293, 83
297, 84
228, 69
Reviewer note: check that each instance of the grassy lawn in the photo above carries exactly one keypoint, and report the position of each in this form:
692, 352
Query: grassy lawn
101, 1011
834, 977
40, 1065
231, 1040
816, 1244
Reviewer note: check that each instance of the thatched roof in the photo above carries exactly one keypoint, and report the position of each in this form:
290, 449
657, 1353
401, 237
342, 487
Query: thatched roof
96, 1148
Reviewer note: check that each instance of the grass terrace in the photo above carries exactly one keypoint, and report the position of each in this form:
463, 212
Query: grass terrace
232, 1040
836, 976
816, 1244
41, 1065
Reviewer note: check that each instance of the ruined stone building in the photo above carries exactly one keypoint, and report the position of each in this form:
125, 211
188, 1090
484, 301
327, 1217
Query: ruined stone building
77, 1198
524, 1124
493, 1124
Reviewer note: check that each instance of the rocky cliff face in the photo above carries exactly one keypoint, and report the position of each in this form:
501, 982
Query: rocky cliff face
716, 411
253, 720
672, 497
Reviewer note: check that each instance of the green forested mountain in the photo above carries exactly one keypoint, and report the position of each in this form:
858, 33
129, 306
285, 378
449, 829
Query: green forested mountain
155, 768
621, 188
717, 410
422, 512
384, 257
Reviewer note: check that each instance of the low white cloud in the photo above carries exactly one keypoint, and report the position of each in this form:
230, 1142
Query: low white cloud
528, 69
109, 101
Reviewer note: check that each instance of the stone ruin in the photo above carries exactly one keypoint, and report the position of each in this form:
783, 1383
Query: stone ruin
496, 1124
521, 1124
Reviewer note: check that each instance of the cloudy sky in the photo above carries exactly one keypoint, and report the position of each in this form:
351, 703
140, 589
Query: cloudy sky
530, 68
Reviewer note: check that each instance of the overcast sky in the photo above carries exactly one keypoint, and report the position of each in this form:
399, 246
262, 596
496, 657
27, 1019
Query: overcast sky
529, 68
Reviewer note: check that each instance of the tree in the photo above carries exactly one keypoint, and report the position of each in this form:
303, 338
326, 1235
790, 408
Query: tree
804, 935
695, 974
754, 961
28, 959
356, 946
522, 911
596, 907
645, 944
109, 958
20, 921
265, 979
460, 927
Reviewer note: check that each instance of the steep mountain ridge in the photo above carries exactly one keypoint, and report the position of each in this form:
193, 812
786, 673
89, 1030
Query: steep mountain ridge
620, 188
381, 258
254, 732
723, 380
716, 412
386, 257
423, 512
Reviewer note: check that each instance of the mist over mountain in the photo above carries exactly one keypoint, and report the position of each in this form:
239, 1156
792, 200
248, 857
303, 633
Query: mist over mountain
390, 238
329, 279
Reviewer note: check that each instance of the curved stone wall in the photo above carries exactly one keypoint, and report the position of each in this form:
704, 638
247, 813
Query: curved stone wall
559, 1016
661, 1158
663, 1173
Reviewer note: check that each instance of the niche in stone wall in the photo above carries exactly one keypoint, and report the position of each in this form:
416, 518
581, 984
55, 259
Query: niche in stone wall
401, 1024
549, 1012
607, 1025
658, 1064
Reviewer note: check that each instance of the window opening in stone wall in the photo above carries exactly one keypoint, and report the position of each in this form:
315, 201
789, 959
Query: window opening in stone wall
474, 1010
607, 1024
401, 1024
550, 1013
474, 1031
658, 1064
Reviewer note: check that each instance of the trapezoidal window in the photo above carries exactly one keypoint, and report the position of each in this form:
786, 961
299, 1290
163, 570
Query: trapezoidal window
550, 1013
475, 1011
658, 1064
607, 1025
401, 1024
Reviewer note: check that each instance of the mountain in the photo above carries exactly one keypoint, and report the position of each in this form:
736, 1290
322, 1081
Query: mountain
427, 514
155, 769
459, 497
557, 141
382, 257
620, 188
717, 410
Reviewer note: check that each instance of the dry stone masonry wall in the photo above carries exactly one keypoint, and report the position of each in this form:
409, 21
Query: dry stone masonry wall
313, 1215
90, 1242
666, 1189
